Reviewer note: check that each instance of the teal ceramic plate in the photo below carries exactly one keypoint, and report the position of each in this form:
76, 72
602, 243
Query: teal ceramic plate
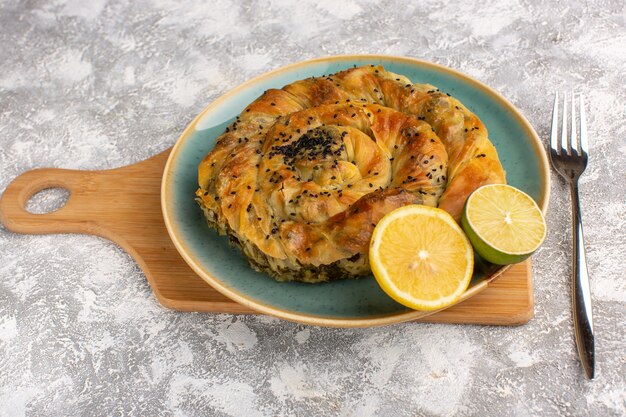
347, 303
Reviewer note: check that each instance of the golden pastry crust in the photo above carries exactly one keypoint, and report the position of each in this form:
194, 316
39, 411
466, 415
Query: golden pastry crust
303, 175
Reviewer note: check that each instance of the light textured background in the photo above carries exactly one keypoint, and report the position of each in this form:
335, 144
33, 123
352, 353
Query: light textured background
101, 84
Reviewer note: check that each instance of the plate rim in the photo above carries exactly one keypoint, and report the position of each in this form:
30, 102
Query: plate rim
331, 321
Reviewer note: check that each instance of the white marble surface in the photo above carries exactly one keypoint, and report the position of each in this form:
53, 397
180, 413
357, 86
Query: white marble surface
101, 84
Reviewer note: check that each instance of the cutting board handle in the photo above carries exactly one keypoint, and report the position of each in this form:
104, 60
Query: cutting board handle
73, 217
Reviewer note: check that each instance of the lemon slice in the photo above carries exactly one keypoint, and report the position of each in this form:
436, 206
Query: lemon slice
504, 224
421, 258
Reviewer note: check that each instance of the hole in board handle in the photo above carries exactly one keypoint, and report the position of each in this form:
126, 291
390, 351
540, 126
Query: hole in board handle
47, 200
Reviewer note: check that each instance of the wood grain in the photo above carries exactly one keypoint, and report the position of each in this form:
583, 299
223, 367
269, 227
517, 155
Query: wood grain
123, 205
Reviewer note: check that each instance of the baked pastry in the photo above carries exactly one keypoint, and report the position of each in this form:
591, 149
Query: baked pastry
304, 173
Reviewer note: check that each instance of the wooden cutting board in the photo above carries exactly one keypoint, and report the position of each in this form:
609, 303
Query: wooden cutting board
123, 205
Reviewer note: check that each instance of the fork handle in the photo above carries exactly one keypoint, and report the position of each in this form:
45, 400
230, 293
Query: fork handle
581, 294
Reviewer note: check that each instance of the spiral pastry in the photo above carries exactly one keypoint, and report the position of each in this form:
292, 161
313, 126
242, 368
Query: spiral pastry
303, 175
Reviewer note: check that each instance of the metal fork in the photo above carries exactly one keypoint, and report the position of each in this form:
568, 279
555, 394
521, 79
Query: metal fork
569, 159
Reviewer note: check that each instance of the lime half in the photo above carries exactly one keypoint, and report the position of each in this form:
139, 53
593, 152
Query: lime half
504, 224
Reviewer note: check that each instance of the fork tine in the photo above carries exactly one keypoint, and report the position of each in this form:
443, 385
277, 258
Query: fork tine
554, 135
573, 139
583, 126
564, 146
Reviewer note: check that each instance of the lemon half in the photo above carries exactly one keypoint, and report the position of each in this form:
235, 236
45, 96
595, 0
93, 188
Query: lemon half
421, 258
